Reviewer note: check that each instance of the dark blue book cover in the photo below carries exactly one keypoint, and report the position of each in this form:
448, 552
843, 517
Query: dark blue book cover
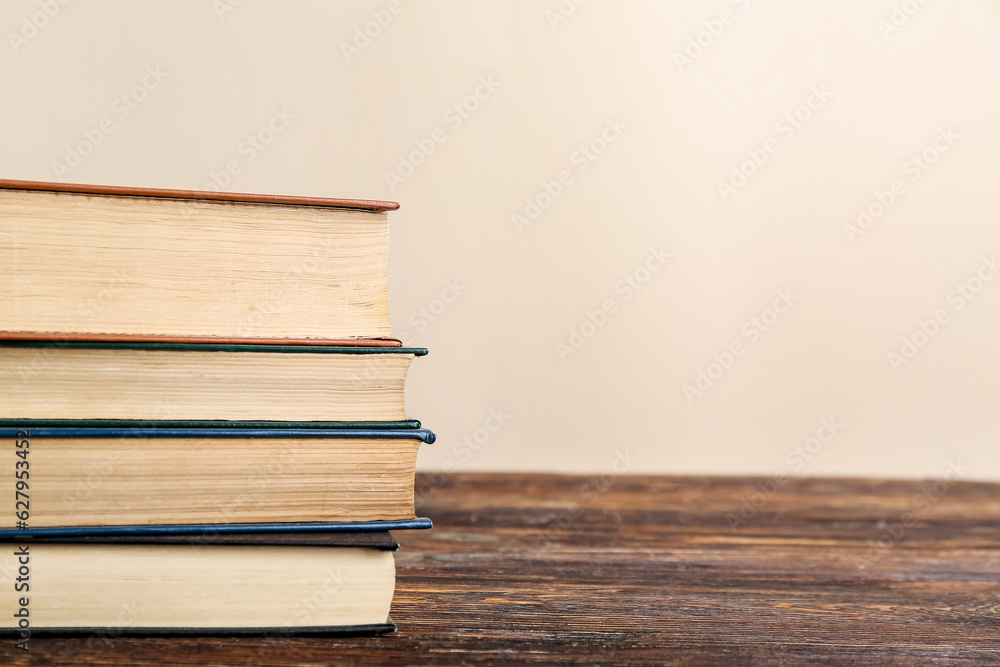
131, 485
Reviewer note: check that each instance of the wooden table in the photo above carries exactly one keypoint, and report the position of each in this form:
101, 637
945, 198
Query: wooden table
660, 570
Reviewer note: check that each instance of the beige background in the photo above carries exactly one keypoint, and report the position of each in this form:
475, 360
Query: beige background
516, 291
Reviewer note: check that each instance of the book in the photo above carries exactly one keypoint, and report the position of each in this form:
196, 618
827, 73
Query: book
150, 473
87, 259
201, 532
75, 380
279, 584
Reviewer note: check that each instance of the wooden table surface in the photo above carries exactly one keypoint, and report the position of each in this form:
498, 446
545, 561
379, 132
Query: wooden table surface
525, 569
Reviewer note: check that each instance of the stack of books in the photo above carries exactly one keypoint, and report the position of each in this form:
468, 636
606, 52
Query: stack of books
202, 413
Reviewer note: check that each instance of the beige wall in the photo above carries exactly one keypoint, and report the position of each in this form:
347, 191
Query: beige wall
670, 132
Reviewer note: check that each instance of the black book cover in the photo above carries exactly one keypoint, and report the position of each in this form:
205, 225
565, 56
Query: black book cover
381, 540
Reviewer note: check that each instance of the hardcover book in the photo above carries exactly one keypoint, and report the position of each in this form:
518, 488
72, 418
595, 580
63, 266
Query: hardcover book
124, 379
145, 474
280, 584
87, 259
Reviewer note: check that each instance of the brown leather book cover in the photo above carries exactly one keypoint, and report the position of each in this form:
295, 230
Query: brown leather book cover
245, 197
55, 338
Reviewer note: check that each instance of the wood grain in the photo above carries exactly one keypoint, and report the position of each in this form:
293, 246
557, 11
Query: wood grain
538, 569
